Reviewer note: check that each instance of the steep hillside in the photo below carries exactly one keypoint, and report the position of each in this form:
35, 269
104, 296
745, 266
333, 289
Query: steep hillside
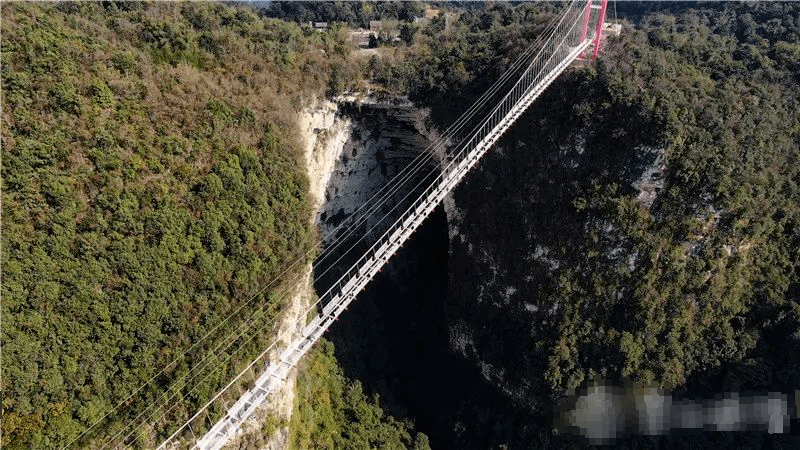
152, 182
642, 221
656, 196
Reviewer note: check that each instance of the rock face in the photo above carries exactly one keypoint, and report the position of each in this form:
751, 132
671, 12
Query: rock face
384, 139
324, 132
651, 178
518, 231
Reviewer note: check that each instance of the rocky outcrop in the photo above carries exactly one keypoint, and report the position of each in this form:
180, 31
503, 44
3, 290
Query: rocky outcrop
352, 150
323, 133
650, 170
385, 138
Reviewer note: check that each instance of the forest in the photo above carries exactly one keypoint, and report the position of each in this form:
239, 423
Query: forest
708, 274
152, 181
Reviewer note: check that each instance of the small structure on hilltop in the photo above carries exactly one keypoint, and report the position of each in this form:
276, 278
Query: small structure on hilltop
364, 39
612, 29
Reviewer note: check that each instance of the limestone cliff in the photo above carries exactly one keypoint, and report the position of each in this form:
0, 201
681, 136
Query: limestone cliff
385, 138
323, 133
352, 150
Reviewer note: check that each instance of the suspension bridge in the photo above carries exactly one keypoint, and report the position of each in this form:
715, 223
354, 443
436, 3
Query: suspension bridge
402, 205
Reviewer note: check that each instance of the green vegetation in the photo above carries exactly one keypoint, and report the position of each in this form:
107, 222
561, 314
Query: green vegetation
332, 412
563, 275
717, 255
459, 56
700, 290
354, 14
152, 181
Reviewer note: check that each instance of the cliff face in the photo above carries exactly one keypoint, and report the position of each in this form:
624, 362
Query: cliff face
384, 139
513, 228
324, 132
482, 318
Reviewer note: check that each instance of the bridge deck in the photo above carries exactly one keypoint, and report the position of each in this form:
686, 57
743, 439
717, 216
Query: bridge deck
358, 277
563, 47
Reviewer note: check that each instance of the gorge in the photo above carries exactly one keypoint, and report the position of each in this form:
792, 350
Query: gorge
163, 164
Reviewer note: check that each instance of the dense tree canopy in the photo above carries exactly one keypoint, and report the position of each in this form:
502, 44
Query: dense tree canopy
152, 182
355, 14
